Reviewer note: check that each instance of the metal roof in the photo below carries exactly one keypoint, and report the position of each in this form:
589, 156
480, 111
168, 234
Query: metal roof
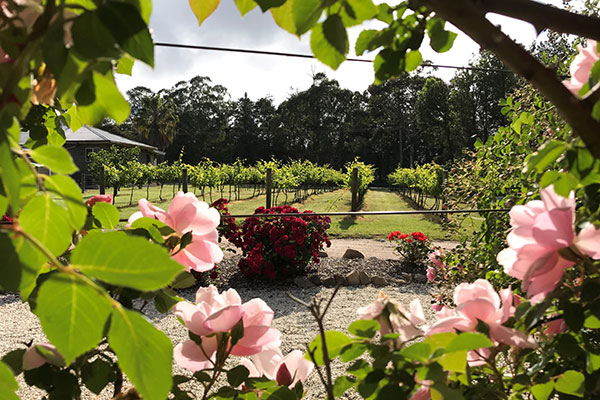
88, 135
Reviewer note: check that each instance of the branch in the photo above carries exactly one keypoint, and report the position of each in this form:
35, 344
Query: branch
466, 17
543, 16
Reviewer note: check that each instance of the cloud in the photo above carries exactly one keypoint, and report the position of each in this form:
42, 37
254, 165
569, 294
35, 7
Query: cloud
261, 75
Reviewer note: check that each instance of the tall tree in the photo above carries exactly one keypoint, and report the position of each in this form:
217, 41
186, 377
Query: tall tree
154, 118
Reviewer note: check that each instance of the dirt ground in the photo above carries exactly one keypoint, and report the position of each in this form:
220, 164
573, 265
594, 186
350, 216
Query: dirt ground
379, 248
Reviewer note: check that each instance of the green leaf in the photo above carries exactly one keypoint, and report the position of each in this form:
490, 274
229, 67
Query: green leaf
335, 342
109, 102
366, 328
29, 183
106, 214
335, 33
144, 353
124, 260
412, 60
388, 64
592, 322
236, 376
390, 392
306, 14
565, 184
245, 6
284, 17
125, 65
573, 314
593, 362
363, 43
14, 359
48, 223
155, 229
129, 29
542, 391
9, 175
352, 351
571, 382
363, 9
278, 393
440, 340
455, 361
97, 374
549, 178
323, 50
469, 341
183, 281
72, 314
417, 351
385, 13
165, 299
546, 155
203, 8
23, 272
268, 4
8, 384
91, 38
441, 40
70, 192
341, 384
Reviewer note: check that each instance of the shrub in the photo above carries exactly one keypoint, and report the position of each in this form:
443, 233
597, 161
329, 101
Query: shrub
280, 247
414, 247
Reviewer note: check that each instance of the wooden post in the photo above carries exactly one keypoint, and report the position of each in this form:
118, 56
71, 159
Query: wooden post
401, 148
354, 188
184, 179
102, 186
268, 186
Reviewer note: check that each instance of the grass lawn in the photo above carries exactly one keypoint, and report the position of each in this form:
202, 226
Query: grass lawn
376, 226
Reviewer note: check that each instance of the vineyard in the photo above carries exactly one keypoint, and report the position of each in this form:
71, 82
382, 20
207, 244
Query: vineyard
291, 182
420, 184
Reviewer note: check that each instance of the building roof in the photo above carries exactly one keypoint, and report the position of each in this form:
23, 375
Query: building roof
90, 135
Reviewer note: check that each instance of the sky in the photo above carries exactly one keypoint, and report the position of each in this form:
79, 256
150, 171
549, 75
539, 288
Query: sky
260, 75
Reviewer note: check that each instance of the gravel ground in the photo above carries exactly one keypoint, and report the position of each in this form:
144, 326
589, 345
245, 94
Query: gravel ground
18, 325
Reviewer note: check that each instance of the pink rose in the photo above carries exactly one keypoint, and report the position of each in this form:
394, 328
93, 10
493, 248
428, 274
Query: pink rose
582, 66
540, 229
288, 370
479, 301
399, 321
436, 258
555, 327
102, 198
188, 214
32, 358
430, 274
437, 307
215, 314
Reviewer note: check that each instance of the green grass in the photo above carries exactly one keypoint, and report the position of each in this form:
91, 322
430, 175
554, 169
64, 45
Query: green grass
375, 226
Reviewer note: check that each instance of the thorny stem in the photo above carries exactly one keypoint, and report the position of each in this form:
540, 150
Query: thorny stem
315, 309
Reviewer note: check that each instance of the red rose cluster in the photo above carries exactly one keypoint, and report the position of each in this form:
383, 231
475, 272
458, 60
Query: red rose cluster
414, 247
280, 247
227, 228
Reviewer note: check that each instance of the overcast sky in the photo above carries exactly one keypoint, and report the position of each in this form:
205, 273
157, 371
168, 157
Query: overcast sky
259, 75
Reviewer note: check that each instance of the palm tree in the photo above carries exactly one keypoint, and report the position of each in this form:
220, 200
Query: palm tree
155, 118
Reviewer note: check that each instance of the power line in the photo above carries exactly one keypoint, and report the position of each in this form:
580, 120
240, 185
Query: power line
310, 56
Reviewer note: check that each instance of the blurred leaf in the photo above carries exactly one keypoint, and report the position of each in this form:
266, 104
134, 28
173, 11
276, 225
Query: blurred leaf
14, 359
9, 175
363, 9
203, 8
96, 374
124, 260
91, 38
125, 65
542, 391
306, 14
388, 64
469, 341
413, 60
441, 40
455, 361
106, 214
363, 43
335, 342
245, 6
8, 384
341, 384
144, 353
366, 328
72, 314
323, 50
268, 4
592, 322
385, 13
417, 351
237, 375
109, 102
183, 281
165, 299
593, 362
129, 29
70, 192
278, 393
573, 315
335, 33
48, 223
284, 17
352, 351
571, 382
546, 155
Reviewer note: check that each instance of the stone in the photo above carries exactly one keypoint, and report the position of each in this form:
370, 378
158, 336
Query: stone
322, 254
364, 278
329, 281
379, 281
303, 282
406, 276
419, 278
340, 280
353, 278
315, 279
353, 254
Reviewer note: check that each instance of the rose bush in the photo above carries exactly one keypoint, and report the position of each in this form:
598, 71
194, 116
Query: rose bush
280, 248
414, 247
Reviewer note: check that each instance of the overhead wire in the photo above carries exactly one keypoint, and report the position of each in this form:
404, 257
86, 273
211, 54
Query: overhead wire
310, 56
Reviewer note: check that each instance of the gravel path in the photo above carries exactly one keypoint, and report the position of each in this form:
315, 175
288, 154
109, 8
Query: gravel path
19, 326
